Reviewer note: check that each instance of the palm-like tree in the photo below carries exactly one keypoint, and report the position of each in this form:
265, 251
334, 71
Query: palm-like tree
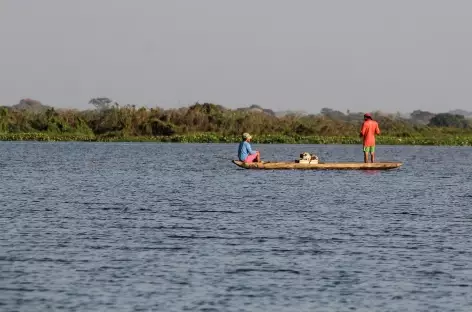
103, 103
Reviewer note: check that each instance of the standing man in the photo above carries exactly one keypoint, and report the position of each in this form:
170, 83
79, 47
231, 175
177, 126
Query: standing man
368, 131
245, 153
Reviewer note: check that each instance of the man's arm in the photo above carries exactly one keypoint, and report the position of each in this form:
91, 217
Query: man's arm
249, 150
377, 129
363, 129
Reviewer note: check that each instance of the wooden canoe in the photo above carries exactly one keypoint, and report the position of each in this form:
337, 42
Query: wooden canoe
319, 166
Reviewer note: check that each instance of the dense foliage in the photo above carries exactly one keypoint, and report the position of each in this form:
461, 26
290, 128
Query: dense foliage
214, 123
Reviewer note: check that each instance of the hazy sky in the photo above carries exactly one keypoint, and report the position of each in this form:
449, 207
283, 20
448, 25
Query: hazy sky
393, 55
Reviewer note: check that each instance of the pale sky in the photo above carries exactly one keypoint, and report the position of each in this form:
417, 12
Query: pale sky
362, 55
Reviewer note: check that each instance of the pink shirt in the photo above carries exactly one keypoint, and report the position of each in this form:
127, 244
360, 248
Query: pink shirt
369, 129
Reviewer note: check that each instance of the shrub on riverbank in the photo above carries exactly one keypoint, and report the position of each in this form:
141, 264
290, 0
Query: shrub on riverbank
213, 123
262, 139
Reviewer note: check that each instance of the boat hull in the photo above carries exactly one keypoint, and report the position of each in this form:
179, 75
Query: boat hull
319, 166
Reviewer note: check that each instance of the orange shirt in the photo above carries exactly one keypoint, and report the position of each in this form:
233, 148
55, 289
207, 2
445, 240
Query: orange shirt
369, 129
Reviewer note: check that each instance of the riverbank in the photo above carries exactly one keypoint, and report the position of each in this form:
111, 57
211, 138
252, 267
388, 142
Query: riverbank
450, 140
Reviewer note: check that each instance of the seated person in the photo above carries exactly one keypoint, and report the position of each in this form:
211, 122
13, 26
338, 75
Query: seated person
245, 153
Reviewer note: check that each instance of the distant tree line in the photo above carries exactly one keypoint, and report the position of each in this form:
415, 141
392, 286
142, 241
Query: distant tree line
109, 118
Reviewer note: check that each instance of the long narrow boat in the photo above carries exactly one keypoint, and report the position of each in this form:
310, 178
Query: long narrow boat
319, 166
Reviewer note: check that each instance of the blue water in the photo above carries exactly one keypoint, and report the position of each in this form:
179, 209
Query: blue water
178, 227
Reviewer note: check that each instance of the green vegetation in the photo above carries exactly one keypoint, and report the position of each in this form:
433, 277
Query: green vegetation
202, 123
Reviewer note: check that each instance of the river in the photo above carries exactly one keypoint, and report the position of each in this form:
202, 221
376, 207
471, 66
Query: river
178, 227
